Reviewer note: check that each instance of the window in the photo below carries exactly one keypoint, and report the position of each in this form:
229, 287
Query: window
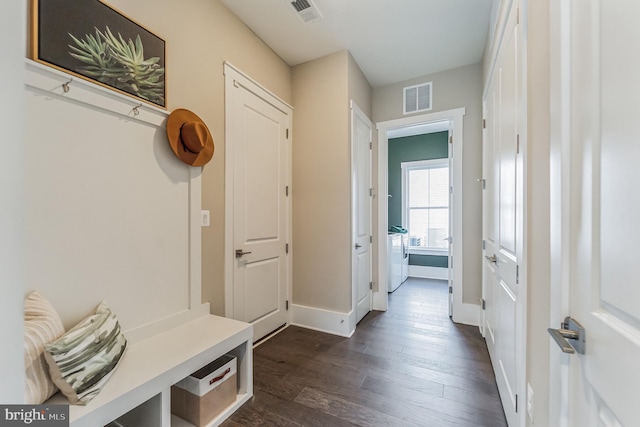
425, 187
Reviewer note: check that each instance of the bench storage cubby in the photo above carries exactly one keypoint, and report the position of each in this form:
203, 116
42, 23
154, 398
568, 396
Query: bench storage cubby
139, 392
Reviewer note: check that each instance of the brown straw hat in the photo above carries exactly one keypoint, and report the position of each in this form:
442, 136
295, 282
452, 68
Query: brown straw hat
189, 137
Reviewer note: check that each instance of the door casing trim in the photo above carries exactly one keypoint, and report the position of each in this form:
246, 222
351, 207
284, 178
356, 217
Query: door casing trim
234, 76
462, 313
357, 112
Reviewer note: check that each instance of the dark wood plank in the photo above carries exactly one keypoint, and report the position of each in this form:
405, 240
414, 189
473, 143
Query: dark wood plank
273, 407
346, 409
448, 412
408, 366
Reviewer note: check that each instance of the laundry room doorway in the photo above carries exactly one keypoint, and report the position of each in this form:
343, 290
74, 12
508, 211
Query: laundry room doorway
450, 122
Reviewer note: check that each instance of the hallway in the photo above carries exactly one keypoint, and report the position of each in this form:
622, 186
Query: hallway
409, 366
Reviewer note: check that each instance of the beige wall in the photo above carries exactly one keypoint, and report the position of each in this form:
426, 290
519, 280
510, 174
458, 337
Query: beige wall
200, 35
460, 87
359, 88
12, 258
321, 207
322, 91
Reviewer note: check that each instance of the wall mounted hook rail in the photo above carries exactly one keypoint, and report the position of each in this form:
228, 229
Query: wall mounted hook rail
65, 86
136, 109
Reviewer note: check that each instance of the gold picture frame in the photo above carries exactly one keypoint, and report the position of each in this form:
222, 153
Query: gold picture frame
91, 40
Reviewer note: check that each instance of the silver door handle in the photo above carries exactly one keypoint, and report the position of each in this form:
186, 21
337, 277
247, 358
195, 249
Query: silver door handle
493, 258
570, 337
358, 246
240, 252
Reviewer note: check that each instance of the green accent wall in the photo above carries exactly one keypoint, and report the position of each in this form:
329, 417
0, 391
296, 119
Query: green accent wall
407, 149
429, 260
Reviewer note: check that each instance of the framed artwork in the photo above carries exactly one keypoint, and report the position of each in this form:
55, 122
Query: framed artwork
89, 39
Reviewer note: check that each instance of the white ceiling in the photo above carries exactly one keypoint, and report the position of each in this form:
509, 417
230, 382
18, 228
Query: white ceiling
391, 40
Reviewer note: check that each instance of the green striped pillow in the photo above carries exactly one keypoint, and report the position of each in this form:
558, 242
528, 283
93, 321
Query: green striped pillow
82, 360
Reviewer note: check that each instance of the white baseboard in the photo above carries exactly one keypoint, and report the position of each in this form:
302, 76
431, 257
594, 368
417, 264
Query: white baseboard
332, 322
468, 314
423, 272
380, 300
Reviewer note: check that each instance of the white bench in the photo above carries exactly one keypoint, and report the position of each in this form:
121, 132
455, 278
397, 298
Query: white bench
138, 394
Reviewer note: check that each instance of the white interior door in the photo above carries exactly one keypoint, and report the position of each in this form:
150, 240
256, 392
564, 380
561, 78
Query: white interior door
361, 211
451, 211
261, 159
597, 73
489, 218
503, 222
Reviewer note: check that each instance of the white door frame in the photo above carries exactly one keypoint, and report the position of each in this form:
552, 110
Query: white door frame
234, 76
356, 111
521, 326
560, 169
462, 313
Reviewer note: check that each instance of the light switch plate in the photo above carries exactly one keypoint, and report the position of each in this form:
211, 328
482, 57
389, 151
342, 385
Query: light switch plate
206, 219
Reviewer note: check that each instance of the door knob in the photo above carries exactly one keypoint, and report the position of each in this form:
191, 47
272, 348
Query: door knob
358, 246
570, 336
240, 252
493, 258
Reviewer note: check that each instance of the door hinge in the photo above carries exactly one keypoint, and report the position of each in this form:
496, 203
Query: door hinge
516, 403
286, 305
518, 144
286, 191
450, 289
484, 245
484, 123
371, 285
286, 248
451, 189
371, 192
450, 139
287, 133
370, 239
517, 274
484, 304
370, 145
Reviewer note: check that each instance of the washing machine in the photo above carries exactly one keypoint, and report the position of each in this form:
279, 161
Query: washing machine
394, 260
405, 257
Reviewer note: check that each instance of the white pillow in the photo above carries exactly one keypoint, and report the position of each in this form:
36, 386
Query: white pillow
41, 326
82, 360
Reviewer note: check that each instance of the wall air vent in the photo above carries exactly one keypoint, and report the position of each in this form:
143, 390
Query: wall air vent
418, 98
306, 10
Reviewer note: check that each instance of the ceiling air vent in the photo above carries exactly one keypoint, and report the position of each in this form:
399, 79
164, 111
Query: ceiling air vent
417, 98
306, 10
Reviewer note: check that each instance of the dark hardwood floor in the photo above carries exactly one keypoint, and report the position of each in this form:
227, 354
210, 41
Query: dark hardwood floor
409, 366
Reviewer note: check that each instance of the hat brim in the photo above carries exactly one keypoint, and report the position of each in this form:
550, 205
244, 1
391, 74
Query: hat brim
176, 119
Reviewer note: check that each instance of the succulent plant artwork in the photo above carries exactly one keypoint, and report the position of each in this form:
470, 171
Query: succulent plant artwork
119, 63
